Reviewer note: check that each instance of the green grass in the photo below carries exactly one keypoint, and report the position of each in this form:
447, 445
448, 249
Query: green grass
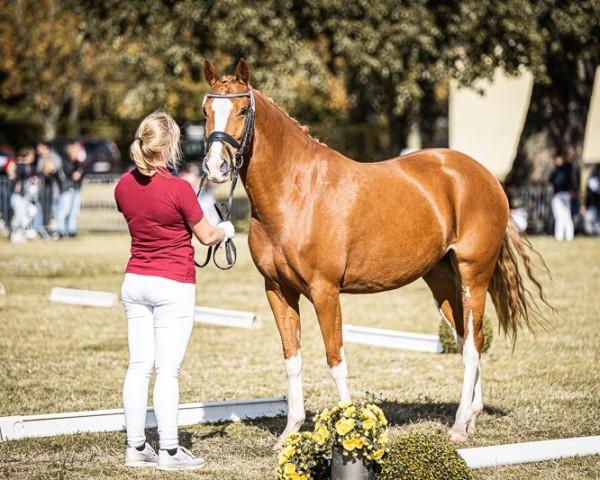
60, 358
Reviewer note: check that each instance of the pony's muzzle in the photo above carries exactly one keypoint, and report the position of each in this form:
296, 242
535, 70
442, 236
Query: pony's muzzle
216, 171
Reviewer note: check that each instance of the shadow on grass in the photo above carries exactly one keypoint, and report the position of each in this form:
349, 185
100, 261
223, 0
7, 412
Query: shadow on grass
399, 413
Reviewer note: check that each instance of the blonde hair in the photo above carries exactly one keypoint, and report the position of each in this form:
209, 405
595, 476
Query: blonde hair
156, 143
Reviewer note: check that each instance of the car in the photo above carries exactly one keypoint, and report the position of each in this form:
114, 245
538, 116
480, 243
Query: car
102, 155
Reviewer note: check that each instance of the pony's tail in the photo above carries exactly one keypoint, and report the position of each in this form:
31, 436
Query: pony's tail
516, 305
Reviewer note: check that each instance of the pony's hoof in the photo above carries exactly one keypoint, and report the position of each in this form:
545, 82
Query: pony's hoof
278, 444
471, 430
457, 437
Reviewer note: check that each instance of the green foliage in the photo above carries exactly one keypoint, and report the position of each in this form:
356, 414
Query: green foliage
380, 62
449, 344
423, 457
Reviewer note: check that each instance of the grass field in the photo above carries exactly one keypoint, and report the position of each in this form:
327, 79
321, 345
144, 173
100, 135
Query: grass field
60, 358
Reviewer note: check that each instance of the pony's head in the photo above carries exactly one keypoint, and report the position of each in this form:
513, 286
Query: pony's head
229, 111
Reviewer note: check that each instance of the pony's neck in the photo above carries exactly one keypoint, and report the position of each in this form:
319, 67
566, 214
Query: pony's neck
281, 147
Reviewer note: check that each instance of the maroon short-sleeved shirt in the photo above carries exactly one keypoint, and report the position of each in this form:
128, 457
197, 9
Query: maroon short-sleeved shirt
157, 210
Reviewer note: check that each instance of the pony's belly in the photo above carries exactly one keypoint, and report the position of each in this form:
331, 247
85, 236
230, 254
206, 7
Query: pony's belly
380, 278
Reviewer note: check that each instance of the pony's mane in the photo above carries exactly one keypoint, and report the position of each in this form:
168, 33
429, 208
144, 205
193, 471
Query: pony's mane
304, 128
230, 78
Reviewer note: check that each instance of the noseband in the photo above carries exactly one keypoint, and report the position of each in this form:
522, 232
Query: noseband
235, 163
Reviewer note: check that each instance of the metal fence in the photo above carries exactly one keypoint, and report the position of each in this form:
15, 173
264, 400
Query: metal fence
99, 212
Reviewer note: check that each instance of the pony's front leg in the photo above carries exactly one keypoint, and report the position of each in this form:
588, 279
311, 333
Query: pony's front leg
326, 300
284, 303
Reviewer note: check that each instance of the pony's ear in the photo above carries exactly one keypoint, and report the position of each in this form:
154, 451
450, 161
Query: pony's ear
210, 73
242, 71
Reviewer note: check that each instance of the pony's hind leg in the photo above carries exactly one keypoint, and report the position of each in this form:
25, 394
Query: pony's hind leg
462, 308
475, 278
284, 303
444, 282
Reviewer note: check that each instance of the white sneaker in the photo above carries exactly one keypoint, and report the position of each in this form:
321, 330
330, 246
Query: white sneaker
146, 458
182, 460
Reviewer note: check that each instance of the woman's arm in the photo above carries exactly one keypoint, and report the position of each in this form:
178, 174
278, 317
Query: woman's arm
209, 235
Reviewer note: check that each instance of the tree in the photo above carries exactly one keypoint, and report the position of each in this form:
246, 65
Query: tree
41, 52
558, 41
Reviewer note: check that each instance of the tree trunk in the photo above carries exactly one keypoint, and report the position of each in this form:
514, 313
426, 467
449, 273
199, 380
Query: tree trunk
49, 122
555, 121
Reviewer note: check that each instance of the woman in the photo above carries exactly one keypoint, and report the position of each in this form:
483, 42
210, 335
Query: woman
562, 182
158, 290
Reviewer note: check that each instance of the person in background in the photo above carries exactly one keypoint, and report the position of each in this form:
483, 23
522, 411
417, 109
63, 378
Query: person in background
159, 288
563, 184
69, 201
7, 181
25, 198
591, 209
49, 168
191, 173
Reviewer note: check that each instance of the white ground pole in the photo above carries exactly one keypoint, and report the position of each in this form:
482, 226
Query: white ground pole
227, 318
483, 457
89, 298
378, 337
206, 315
15, 427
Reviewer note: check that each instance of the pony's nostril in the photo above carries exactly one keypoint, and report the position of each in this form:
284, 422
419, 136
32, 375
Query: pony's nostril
224, 167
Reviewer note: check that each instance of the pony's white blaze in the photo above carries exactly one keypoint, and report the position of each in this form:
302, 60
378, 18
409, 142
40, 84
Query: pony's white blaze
222, 108
296, 414
339, 373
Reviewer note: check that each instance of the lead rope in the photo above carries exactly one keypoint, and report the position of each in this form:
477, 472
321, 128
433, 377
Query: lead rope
224, 211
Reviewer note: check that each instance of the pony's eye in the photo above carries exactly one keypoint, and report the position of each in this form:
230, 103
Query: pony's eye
243, 112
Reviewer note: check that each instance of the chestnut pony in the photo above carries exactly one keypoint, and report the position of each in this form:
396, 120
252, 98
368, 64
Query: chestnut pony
323, 224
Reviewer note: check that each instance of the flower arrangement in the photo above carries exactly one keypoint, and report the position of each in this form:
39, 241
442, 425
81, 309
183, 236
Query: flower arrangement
301, 458
358, 429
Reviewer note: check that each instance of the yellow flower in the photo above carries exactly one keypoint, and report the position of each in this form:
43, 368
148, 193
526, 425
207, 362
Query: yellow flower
349, 412
321, 435
377, 454
289, 469
344, 405
352, 443
368, 424
286, 453
385, 438
344, 425
325, 415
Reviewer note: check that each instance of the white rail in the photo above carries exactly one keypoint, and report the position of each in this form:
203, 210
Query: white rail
378, 337
15, 427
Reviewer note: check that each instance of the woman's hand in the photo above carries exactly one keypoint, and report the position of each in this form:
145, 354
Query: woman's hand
209, 235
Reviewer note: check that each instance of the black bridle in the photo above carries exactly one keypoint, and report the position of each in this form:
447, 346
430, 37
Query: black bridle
236, 159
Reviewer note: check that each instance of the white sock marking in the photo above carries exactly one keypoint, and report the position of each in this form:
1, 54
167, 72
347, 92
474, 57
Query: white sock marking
293, 369
339, 374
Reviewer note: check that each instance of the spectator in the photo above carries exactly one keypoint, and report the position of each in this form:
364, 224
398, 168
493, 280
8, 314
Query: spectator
591, 209
7, 179
49, 168
563, 184
191, 173
25, 198
518, 214
70, 190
